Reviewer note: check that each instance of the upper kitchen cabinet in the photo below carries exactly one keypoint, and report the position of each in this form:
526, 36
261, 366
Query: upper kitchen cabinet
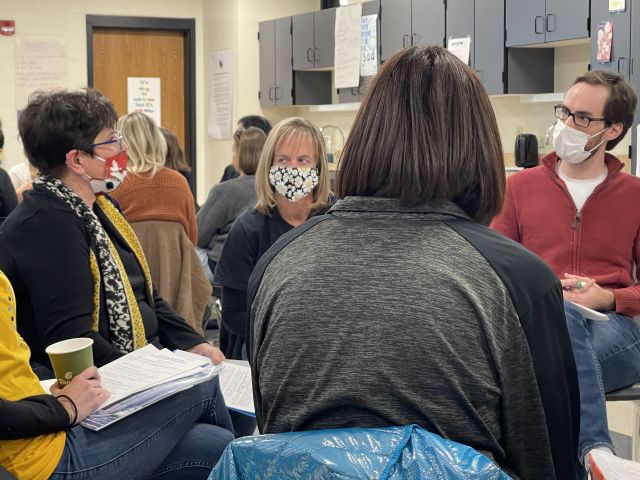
313, 39
539, 21
405, 23
483, 21
620, 59
276, 74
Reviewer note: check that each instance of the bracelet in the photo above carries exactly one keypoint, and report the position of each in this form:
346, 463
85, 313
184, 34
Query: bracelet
75, 409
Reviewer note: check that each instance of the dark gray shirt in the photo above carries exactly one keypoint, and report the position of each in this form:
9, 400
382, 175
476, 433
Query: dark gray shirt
381, 315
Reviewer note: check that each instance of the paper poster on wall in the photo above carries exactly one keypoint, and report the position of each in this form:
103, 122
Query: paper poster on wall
143, 95
220, 94
460, 47
40, 65
605, 38
347, 46
369, 48
617, 6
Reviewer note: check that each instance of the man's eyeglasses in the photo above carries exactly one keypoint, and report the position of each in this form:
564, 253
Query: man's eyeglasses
115, 138
580, 119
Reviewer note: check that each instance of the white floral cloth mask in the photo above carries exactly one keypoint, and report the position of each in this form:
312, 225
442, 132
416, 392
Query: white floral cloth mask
293, 183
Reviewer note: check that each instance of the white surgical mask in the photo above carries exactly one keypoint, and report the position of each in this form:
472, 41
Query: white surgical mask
570, 143
293, 183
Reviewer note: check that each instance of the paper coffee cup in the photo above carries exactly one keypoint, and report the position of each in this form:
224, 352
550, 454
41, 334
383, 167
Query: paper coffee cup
70, 357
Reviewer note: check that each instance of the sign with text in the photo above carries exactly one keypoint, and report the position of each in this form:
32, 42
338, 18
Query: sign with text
143, 95
40, 65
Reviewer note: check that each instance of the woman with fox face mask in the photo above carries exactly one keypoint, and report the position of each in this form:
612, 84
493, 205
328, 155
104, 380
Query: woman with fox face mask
76, 266
292, 184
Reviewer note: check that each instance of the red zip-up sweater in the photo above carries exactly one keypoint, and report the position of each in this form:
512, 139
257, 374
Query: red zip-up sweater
602, 241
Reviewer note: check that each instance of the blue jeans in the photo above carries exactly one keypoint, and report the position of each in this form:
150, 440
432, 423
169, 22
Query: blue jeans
204, 260
180, 437
607, 355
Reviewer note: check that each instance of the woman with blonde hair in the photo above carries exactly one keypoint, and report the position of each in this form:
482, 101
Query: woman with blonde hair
227, 200
152, 191
292, 184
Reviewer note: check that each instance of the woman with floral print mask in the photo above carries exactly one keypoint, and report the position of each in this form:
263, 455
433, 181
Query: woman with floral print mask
292, 184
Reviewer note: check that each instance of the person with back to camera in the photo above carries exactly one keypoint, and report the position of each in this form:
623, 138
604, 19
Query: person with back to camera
227, 200
247, 121
152, 191
76, 266
400, 306
292, 184
8, 198
180, 437
578, 212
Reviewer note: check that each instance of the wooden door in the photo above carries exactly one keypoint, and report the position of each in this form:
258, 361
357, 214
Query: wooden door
119, 53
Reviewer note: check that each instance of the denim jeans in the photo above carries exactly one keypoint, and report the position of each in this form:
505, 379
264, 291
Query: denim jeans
204, 260
607, 355
180, 437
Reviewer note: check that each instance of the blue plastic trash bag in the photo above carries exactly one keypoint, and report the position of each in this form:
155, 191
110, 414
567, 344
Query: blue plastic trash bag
392, 453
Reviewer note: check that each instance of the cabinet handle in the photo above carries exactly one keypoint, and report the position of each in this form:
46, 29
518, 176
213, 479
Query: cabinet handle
309, 55
414, 39
271, 89
539, 20
625, 74
405, 38
316, 54
479, 73
277, 97
551, 20
354, 91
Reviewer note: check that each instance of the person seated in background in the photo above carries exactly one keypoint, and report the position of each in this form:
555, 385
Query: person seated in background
151, 191
400, 305
227, 200
579, 212
247, 121
75, 264
180, 437
8, 199
175, 158
292, 184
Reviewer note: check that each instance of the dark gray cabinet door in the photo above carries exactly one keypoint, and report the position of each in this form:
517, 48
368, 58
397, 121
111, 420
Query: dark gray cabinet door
567, 19
489, 44
460, 23
303, 43
284, 72
525, 22
621, 44
267, 63
427, 22
395, 26
324, 37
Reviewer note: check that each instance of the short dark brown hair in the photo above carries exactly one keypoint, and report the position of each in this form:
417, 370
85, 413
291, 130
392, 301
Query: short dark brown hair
621, 102
426, 130
57, 121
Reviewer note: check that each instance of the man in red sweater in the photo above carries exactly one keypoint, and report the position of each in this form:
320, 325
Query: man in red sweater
579, 212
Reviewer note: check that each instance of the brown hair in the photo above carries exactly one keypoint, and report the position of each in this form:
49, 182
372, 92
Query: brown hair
426, 130
620, 106
175, 156
249, 148
293, 127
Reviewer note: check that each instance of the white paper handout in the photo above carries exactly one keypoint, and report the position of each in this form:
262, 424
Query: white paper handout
369, 49
460, 47
347, 46
235, 383
220, 94
589, 313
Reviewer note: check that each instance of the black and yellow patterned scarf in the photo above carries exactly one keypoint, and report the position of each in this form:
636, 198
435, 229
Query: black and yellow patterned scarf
125, 321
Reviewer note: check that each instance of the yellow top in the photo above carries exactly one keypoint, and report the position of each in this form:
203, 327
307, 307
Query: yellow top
34, 458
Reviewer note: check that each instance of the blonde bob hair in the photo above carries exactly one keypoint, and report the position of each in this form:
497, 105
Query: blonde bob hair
146, 146
291, 128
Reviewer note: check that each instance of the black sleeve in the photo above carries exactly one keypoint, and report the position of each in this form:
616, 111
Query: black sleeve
8, 198
234, 311
31, 416
238, 255
58, 278
173, 331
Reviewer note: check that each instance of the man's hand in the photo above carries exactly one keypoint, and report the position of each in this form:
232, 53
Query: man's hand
207, 350
586, 292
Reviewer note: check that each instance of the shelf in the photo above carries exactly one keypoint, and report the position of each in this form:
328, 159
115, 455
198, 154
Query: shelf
543, 98
335, 107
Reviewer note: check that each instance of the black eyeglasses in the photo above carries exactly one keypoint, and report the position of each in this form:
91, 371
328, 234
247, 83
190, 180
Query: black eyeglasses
580, 119
115, 138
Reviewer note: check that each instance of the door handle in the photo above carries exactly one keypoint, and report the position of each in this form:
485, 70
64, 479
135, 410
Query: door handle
405, 38
316, 54
271, 89
309, 59
278, 98
539, 20
414, 39
551, 20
